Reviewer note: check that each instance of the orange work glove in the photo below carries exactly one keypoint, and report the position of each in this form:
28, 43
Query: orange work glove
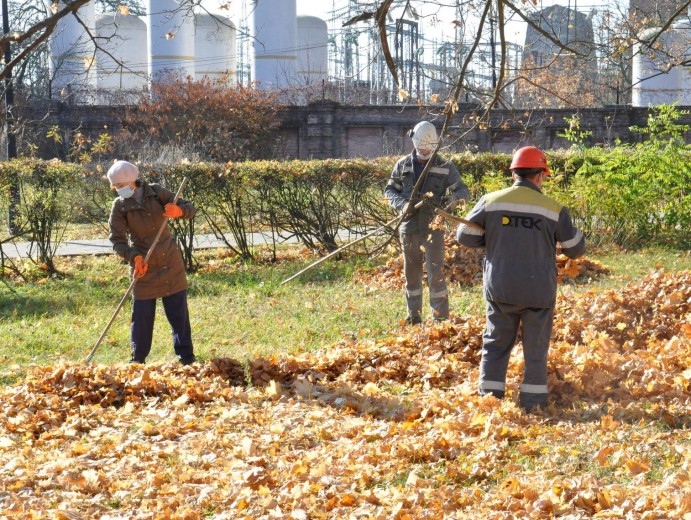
140, 267
172, 211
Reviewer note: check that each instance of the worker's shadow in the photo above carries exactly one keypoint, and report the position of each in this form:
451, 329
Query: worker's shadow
304, 382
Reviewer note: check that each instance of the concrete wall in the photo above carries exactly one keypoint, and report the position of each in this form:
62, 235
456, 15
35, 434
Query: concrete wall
329, 130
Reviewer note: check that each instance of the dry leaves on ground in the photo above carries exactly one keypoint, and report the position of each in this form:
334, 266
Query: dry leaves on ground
380, 429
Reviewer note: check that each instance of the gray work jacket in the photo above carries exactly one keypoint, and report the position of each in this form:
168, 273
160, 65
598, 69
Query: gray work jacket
522, 227
443, 183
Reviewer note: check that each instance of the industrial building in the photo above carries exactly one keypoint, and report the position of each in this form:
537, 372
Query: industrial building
272, 47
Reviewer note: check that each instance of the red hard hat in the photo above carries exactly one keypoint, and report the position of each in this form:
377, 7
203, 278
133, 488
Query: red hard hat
529, 157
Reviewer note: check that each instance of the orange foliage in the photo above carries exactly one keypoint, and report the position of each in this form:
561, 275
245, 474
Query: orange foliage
221, 122
381, 429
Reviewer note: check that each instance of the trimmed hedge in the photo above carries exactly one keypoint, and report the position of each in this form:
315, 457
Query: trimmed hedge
631, 196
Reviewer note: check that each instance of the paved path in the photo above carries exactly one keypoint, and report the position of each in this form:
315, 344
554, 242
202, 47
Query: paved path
104, 247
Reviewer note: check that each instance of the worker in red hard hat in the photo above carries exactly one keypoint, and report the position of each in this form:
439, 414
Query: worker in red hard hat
521, 230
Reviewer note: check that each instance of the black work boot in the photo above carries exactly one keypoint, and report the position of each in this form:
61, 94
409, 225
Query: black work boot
413, 320
188, 360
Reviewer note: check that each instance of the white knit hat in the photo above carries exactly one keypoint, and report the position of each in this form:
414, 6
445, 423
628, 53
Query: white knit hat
122, 172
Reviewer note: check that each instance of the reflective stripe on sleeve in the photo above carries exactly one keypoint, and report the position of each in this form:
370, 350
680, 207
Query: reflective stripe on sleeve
534, 389
467, 230
574, 241
523, 208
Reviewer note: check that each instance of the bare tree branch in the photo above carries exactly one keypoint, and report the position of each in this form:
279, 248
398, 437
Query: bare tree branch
41, 31
380, 18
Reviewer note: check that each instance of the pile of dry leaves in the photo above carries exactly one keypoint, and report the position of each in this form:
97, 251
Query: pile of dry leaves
385, 429
463, 265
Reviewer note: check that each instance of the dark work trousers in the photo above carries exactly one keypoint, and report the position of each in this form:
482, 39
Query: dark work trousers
503, 322
430, 247
143, 314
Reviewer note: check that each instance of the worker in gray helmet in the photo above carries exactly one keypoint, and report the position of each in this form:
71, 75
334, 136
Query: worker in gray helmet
442, 187
521, 230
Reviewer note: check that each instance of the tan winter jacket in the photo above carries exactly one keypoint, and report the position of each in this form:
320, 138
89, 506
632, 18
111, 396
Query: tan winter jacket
133, 227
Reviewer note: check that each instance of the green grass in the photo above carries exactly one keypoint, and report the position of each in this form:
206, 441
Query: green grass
630, 265
238, 310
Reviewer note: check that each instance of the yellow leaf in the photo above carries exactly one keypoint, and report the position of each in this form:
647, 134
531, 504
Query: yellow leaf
601, 457
636, 467
181, 400
274, 389
123, 10
370, 389
479, 420
604, 499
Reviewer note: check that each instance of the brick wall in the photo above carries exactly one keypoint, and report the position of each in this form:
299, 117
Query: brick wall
329, 130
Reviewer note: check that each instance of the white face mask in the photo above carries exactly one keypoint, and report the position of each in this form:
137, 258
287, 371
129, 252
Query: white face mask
425, 156
125, 192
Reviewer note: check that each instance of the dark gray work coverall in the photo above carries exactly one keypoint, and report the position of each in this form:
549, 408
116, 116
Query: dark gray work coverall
522, 227
444, 184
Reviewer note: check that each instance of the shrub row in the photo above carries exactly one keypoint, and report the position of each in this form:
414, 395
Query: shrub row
631, 196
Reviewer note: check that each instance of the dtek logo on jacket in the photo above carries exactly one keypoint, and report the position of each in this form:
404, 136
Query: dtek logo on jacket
521, 221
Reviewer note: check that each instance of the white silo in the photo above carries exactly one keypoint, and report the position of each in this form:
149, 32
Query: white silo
274, 43
121, 67
657, 77
684, 41
72, 51
312, 50
215, 46
170, 25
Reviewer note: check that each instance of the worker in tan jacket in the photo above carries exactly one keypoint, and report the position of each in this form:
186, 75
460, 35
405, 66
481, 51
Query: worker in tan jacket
135, 218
